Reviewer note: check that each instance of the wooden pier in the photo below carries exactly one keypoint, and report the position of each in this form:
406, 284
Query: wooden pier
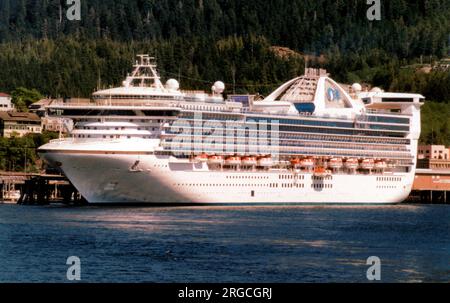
37, 189
431, 186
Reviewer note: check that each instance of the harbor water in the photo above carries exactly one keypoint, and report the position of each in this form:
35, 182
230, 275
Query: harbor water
225, 244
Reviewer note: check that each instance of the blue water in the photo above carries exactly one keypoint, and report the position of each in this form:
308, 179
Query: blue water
225, 244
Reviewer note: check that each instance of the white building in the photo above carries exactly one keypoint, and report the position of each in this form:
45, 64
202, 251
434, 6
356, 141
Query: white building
437, 152
5, 102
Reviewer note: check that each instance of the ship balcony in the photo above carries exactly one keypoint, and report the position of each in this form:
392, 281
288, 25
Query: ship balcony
256, 149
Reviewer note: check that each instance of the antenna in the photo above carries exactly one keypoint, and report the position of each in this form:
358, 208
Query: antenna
144, 74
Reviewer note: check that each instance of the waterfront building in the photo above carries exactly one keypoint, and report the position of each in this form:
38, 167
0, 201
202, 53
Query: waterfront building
433, 157
17, 124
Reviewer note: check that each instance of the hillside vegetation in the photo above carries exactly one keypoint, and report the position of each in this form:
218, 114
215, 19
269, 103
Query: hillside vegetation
253, 46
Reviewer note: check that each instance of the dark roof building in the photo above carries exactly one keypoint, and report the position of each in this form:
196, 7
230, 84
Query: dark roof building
19, 124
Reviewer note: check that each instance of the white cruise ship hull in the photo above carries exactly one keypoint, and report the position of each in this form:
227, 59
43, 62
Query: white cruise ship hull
111, 178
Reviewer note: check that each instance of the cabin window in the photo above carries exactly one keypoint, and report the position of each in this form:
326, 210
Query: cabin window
398, 100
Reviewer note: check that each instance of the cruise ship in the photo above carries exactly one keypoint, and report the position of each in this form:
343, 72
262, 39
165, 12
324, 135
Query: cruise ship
311, 141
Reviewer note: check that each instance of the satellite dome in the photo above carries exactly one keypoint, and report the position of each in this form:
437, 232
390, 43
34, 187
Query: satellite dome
172, 84
219, 87
357, 87
376, 90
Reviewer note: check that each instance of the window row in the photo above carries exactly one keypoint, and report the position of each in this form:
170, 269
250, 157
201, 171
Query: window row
389, 179
321, 186
248, 177
291, 177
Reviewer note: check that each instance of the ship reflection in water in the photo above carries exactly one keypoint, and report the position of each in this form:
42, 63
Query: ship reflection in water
262, 244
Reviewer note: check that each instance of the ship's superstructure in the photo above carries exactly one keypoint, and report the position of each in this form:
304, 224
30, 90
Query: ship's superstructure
310, 141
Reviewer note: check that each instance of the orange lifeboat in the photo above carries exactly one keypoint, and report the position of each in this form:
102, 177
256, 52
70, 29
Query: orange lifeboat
216, 160
335, 163
249, 161
352, 163
368, 164
202, 158
233, 161
265, 161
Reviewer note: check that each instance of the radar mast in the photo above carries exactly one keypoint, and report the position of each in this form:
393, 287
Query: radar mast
144, 74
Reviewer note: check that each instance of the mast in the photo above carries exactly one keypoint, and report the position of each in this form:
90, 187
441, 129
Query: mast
144, 73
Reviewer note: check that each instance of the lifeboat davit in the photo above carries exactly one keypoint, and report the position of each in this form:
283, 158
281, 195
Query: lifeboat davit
202, 158
249, 161
335, 163
216, 160
307, 163
381, 165
368, 164
265, 162
352, 163
233, 161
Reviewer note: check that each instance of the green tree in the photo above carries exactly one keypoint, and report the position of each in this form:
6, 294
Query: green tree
20, 154
22, 98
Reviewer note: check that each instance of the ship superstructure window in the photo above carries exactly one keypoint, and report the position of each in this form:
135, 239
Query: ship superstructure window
383, 119
160, 113
398, 100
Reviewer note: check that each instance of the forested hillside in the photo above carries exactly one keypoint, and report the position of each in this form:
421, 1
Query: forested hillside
407, 29
217, 38
200, 41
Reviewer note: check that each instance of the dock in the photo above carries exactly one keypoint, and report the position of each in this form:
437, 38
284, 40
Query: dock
11, 185
431, 186
37, 189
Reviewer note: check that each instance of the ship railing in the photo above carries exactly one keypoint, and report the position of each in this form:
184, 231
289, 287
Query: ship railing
194, 92
112, 104
63, 140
